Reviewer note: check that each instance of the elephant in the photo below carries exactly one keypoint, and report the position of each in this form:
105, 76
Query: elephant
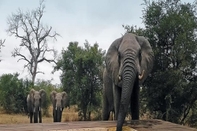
59, 101
34, 101
108, 104
129, 60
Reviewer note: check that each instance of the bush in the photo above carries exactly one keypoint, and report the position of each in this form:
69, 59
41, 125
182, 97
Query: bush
13, 93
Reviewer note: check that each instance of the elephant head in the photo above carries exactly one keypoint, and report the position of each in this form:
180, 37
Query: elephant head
59, 101
129, 60
34, 101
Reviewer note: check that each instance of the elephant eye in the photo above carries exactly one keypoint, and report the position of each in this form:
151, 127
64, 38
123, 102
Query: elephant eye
140, 56
119, 58
118, 55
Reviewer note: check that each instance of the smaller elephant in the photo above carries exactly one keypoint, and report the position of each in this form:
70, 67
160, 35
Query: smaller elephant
34, 101
59, 101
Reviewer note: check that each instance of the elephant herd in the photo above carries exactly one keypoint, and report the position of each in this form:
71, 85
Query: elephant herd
36, 98
129, 61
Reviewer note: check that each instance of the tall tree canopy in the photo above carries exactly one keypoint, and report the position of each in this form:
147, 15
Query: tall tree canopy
81, 76
170, 93
28, 27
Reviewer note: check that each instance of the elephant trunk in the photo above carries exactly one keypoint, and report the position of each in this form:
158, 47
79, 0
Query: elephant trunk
40, 115
128, 78
59, 114
35, 114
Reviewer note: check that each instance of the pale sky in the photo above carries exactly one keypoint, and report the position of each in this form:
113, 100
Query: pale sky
75, 20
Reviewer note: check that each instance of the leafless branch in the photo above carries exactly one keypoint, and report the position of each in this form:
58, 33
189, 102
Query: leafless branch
39, 72
2, 43
47, 60
27, 26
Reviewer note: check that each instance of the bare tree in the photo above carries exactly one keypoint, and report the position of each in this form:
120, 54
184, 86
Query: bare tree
1, 45
27, 26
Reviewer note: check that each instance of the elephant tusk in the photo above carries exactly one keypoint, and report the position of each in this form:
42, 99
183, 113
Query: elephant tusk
142, 75
119, 78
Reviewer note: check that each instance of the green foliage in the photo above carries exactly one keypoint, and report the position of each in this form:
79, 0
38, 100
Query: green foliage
170, 93
134, 29
13, 93
82, 76
171, 27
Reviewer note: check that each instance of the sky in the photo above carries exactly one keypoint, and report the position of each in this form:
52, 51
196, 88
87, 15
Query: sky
97, 21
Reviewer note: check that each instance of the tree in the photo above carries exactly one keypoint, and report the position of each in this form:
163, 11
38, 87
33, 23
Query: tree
28, 27
171, 28
81, 77
17, 90
1, 44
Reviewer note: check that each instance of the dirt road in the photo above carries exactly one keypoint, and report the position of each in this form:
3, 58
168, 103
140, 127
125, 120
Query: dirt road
142, 125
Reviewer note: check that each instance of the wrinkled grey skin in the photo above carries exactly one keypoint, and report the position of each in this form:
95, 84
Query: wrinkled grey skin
34, 101
59, 101
129, 60
108, 104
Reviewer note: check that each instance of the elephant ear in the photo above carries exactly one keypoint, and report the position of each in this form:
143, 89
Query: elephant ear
112, 58
30, 97
42, 95
52, 97
147, 57
31, 94
64, 98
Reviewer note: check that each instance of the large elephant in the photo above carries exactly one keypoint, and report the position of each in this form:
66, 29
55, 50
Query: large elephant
59, 101
34, 101
129, 60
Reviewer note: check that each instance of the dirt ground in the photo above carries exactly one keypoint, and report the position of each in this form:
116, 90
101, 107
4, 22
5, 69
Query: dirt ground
142, 125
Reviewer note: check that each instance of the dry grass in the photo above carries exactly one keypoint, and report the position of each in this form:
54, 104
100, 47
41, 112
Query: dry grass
70, 114
67, 115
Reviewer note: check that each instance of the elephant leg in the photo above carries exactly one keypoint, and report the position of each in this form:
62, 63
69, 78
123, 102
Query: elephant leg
108, 104
105, 109
117, 97
35, 117
60, 116
135, 102
54, 115
31, 116
40, 116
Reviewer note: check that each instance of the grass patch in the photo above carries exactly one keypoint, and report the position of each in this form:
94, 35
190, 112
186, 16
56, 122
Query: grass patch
67, 115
